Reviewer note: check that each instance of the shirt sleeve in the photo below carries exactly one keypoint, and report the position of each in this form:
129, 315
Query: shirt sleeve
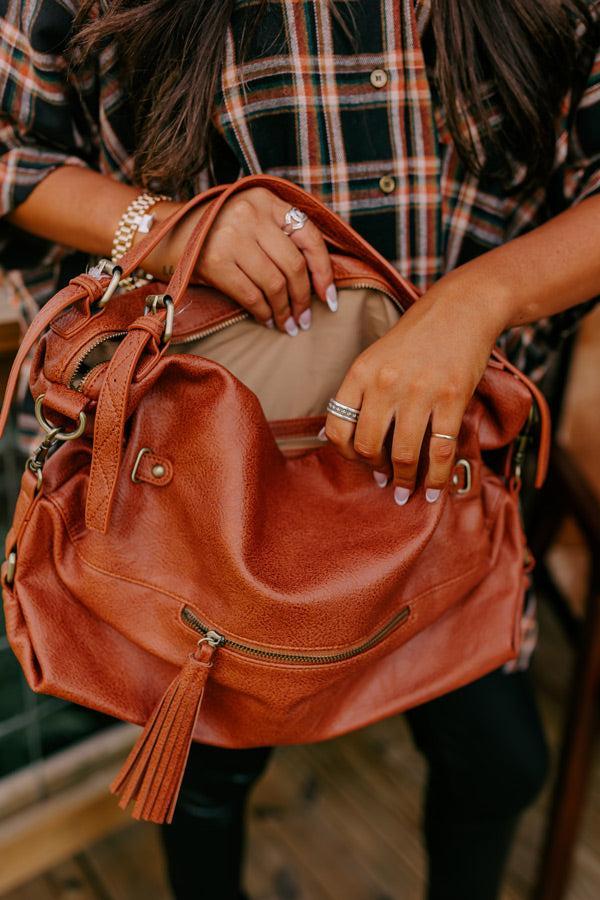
43, 125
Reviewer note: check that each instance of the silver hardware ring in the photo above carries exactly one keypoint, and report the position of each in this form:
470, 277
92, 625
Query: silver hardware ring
348, 413
51, 429
468, 484
106, 267
294, 220
154, 302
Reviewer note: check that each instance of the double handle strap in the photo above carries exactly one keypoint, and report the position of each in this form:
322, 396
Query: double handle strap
111, 410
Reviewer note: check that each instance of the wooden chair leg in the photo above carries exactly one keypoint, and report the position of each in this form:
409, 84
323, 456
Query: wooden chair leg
576, 757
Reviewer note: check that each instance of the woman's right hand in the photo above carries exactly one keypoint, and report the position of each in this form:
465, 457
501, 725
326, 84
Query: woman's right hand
248, 256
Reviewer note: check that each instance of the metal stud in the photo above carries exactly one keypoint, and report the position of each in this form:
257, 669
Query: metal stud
158, 470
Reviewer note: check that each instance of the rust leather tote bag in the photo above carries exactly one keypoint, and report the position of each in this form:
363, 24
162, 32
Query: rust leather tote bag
187, 555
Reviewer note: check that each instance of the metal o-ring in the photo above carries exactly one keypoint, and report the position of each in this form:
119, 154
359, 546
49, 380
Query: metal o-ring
52, 429
112, 286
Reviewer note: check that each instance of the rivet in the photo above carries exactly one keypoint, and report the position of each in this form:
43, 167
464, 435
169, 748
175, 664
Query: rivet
158, 471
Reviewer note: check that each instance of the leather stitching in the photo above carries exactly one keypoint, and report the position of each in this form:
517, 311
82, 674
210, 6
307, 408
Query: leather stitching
108, 434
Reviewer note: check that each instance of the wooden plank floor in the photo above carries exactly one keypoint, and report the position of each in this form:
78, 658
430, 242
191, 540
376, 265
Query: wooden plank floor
338, 821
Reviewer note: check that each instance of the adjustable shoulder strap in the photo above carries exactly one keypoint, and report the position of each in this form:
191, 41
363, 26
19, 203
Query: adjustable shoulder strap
65, 298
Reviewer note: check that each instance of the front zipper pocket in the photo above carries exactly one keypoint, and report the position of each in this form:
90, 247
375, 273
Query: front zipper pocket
307, 657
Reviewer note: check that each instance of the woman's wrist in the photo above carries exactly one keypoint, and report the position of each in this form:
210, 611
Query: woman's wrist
481, 300
161, 261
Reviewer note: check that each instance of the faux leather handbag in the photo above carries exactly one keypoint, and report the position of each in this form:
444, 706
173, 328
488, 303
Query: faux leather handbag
186, 554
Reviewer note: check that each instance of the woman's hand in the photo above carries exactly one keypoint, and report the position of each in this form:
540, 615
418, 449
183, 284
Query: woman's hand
248, 256
424, 370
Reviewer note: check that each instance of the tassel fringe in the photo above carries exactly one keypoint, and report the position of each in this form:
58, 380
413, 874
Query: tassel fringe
152, 773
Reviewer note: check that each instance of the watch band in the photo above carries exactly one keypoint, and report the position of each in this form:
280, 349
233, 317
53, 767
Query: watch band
135, 218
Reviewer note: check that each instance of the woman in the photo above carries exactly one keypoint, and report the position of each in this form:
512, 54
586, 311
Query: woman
462, 139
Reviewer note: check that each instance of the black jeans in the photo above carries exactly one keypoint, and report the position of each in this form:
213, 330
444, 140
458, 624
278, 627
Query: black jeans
487, 761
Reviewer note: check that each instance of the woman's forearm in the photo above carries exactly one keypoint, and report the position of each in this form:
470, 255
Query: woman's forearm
546, 271
79, 208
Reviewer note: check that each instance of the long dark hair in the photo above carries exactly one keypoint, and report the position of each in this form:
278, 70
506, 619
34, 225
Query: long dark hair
528, 51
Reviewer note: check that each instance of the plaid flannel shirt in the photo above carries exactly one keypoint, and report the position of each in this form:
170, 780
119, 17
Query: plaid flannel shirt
358, 122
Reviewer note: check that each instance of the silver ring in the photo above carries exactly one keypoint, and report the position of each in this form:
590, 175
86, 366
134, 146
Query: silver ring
342, 411
445, 437
294, 220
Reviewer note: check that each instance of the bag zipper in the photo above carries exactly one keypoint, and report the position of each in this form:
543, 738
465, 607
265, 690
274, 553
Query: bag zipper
79, 364
216, 639
204, 333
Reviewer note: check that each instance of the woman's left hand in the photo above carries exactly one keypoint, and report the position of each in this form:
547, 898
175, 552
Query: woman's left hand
423, 371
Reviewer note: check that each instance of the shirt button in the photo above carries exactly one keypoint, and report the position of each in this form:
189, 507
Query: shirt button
387, 184
378, 78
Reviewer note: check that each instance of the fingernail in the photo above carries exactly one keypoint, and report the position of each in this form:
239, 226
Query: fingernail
431, 495
381, 479
305, 320
332, 297
401, 495
270, 323
321, 435
291, 327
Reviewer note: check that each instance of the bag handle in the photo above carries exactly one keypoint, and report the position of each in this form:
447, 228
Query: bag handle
87, 287
334, 230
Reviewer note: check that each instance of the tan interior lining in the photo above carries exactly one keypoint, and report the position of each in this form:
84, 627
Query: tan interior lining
295, 377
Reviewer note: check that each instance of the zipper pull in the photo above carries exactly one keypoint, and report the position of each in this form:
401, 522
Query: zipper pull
151, 775
213, 638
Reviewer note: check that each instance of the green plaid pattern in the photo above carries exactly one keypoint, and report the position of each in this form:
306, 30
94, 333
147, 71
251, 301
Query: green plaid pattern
301, 104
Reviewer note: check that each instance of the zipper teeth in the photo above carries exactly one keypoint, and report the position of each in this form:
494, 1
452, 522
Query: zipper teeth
207, 332
374, 286
190, 618
83, 357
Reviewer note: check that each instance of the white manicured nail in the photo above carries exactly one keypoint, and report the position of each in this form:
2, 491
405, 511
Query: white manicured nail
321, 435
381, 479
270, 323
431, 495
291, 327
401, 495
305, 320
332, 297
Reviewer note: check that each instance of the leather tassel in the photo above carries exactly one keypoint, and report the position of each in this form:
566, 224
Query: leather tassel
152, 773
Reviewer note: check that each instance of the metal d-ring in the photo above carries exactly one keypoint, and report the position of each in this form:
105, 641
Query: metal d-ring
466, 466
106, 267
51, 429
154, 302
137, 462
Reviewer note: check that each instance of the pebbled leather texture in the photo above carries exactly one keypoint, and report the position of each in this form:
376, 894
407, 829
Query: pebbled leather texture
334, 607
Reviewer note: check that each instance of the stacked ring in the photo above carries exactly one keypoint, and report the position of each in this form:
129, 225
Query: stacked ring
348, 413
